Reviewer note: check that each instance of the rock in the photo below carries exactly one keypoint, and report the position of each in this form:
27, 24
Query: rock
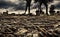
35, 35
21, 31
29, 35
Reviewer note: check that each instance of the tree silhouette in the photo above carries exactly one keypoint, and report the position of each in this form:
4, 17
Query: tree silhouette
28, 3
45, 2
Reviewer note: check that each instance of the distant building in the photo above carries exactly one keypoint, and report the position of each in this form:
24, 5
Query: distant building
13, 14
37, 13
5, 13
0, 13
58, 12
52, 11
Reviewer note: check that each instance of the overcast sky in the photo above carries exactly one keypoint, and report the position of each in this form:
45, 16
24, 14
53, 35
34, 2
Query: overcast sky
20, 4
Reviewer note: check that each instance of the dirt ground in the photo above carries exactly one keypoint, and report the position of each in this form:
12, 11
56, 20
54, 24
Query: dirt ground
29, 26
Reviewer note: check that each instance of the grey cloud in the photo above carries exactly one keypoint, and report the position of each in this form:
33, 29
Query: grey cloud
4, 4
20, 6
7, 4
58, 5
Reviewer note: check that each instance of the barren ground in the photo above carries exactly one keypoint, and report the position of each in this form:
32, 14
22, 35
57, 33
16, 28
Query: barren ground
16, 26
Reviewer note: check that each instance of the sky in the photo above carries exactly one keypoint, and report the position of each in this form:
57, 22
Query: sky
18, 6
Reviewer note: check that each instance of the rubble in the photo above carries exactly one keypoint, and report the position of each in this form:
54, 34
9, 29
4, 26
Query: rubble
21, 31
29, 26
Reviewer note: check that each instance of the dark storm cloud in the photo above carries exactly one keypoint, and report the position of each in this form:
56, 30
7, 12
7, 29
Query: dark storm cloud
4, 4
20, 6
51, 0
58, 5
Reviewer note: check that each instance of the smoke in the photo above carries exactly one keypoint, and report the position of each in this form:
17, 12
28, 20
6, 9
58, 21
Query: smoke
19, 5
